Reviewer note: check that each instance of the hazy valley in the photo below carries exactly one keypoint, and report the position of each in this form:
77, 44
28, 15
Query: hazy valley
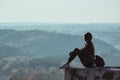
37, 54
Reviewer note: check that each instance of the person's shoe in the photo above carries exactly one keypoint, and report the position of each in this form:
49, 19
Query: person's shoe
65, 66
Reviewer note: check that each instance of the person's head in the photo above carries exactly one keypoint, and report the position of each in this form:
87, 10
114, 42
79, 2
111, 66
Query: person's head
87, 36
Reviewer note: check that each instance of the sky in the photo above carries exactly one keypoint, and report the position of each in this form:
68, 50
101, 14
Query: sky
59, 11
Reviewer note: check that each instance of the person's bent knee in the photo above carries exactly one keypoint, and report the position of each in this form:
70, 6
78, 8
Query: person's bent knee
73, 53
76, 49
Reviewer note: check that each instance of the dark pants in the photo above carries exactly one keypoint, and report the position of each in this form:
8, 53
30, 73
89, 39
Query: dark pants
84, 58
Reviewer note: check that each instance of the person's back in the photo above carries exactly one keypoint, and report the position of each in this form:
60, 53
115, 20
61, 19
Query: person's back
86, 54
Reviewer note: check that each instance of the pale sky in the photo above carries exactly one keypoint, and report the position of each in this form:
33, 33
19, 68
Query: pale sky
60, 11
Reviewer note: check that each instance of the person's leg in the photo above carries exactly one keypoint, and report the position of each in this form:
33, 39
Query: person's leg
72, 55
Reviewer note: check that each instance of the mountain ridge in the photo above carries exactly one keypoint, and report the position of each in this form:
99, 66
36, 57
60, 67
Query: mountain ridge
45, 44
38, 54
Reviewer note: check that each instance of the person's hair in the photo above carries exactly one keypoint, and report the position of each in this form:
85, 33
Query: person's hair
88, 36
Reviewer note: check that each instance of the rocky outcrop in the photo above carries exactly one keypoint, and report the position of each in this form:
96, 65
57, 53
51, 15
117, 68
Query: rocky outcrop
101, 73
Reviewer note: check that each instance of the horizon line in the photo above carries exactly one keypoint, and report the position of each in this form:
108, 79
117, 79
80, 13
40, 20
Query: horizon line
55, 23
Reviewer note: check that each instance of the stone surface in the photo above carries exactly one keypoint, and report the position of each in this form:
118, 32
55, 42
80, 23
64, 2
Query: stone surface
98, 73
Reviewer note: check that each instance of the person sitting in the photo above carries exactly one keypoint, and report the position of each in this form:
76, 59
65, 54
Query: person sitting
85, 54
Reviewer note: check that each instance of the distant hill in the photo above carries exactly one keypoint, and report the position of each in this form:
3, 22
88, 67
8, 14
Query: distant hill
7, 51
45, 44
25, 55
